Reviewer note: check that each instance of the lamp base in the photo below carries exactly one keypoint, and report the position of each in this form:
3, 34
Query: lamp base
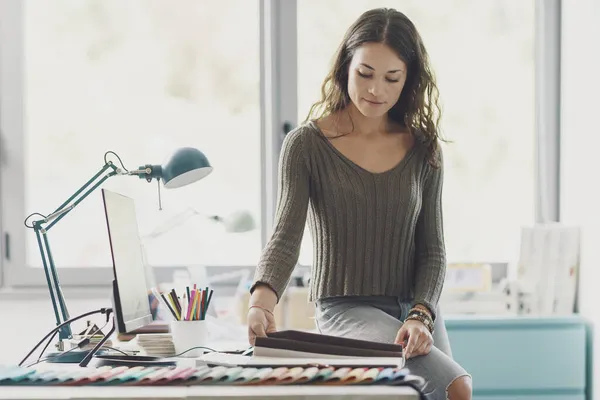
68, 357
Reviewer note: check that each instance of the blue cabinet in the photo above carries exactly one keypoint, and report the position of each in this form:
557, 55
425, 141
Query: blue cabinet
524, 358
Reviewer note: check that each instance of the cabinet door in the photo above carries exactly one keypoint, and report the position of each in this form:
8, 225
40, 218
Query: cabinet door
521, 358
531, 397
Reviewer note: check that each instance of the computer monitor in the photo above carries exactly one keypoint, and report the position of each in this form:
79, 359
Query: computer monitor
131, 307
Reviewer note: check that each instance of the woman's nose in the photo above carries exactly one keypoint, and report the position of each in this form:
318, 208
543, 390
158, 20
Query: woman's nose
375, 89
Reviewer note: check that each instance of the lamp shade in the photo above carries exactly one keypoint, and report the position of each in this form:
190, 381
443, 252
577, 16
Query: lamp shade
186, 166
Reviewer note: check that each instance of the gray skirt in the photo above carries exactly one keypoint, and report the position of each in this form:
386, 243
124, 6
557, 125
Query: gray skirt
378, 318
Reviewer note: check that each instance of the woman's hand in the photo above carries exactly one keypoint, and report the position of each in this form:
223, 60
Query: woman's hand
260, 322
417, 338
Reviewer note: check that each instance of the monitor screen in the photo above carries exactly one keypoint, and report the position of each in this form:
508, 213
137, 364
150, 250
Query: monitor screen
130, 292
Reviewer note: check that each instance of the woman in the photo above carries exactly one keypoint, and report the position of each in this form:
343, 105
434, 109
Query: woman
370, 170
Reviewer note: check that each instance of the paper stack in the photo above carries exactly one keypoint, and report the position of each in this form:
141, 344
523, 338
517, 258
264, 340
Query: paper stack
156, 344
549, 268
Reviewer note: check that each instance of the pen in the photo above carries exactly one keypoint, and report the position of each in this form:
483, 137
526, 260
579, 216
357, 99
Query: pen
168, 305
208, 301
176, 300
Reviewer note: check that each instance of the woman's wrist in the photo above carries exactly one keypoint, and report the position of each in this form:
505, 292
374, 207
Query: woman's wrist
263, 296
424, 317
423, 308
265, 309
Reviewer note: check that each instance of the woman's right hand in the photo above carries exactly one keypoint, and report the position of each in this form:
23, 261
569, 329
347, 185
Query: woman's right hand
260, 322
260, 314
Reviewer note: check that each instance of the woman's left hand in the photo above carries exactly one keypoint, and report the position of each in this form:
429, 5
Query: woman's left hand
417, 338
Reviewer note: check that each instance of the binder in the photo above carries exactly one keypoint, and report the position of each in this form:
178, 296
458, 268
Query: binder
299, 345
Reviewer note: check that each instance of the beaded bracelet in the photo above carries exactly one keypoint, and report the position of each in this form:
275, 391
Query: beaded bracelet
262, 308
421, 317
422, 308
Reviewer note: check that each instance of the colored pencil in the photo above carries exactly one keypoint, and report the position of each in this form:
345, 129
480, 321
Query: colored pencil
168, 305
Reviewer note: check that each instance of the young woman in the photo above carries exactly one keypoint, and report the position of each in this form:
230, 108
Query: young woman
367, 168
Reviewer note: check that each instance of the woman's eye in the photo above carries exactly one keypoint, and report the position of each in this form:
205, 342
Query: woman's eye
370, 76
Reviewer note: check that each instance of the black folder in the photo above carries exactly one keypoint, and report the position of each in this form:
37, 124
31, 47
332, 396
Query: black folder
288, 342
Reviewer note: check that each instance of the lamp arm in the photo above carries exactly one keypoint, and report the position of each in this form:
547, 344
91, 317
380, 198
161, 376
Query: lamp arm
59, 306
65, 208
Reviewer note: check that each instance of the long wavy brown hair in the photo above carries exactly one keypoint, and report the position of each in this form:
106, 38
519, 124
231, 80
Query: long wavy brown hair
418, 107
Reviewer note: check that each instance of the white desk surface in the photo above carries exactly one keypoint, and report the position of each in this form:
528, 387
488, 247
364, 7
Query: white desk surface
287, 392
290, 392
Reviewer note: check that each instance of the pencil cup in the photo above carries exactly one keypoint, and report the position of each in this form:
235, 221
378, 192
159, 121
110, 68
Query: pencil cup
189, 334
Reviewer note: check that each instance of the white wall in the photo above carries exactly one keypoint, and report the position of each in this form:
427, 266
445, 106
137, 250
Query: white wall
580, 132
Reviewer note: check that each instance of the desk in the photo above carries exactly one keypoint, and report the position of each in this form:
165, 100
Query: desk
182, 382
222, 392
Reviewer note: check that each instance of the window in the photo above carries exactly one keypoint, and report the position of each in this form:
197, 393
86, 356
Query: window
143, 78
483, 54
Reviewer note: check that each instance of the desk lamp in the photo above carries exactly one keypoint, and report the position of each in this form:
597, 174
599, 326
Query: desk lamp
187, 165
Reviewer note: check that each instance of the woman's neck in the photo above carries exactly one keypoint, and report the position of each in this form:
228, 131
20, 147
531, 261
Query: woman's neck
355, 122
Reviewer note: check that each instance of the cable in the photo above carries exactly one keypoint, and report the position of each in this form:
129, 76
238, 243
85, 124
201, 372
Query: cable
31, 215
59, 355
117, 350
176, 355
116, 155
193, 348
46, 346
82, 343
99, 311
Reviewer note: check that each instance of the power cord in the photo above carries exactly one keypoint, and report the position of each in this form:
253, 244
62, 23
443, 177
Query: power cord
46, 346
118, 158
106, 311
31, 215
194, 348
81, 344
117, 350
176, 355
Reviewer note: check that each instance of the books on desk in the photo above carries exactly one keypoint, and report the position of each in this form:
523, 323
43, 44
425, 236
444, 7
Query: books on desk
304, 344
157, 344
295, 348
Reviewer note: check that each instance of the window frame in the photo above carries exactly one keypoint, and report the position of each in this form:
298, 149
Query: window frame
278, 100
548, 48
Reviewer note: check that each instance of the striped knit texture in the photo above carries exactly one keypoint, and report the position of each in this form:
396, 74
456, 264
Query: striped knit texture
373, 233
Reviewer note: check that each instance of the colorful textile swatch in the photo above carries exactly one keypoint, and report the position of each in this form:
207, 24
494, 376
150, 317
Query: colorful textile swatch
52, 375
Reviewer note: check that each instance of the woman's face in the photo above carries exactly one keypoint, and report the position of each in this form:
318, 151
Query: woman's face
375, 79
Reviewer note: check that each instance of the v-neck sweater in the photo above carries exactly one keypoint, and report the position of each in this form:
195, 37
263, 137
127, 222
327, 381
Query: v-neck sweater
373, 233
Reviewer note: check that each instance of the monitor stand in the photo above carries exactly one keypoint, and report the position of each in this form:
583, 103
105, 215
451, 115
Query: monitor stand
101, 360
86, 360
121, 360
72, 357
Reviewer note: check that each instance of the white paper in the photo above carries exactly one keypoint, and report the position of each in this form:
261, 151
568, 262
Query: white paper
298, 359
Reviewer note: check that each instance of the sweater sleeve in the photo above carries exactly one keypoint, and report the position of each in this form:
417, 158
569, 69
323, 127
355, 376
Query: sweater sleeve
280, 255
430, 254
